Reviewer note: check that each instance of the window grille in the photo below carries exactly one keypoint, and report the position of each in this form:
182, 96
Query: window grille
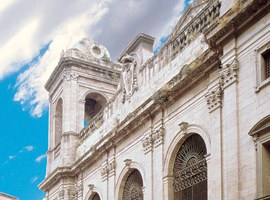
133, 189
266, 57
190, 170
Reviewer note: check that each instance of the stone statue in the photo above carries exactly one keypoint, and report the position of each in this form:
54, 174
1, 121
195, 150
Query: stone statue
129, 76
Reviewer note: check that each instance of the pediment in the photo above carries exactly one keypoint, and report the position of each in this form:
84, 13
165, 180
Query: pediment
192, 11
261, 127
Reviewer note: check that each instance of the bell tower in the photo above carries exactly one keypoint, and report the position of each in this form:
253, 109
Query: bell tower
81, 85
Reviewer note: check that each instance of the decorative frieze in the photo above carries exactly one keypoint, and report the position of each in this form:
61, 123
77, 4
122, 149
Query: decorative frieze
229, 74
70, 76
214, 98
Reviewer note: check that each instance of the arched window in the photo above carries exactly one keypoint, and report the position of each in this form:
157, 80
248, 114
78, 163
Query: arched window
94, 104
95, 197
190, 170
133, 189
58, 121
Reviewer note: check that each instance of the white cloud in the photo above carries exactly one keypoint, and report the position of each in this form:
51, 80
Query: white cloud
113, 23
11, 157
34, 179
40, 158
29, 148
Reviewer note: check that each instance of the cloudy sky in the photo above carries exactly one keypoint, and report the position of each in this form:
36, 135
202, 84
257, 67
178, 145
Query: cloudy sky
33, 34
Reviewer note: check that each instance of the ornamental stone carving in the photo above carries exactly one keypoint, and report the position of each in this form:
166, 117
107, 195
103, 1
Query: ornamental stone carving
129, 77
61, 194
71, 194
183, 127
147, 142
152, 139
108, 169
229, 74
104, 171
214, 98
79, 190
70, 76
158, 136
111, 167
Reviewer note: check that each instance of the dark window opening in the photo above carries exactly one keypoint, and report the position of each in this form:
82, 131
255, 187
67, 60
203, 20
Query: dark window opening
266, 64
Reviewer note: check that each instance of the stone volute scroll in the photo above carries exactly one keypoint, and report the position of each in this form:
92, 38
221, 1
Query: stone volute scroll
129, 76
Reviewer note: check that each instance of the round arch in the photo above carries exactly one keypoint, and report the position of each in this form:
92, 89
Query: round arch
94, 103
92, 192
172, 152
178, 140
88, 92
128, 169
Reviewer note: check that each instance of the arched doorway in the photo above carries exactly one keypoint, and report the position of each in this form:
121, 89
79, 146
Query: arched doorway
190, 170
133, 188
95, 197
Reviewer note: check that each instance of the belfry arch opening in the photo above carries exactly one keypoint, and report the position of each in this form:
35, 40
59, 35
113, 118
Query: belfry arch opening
190, 170
58, 121
93, 108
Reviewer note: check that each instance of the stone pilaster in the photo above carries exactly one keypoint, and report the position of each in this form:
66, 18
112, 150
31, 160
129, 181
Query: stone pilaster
214, 168
230, 129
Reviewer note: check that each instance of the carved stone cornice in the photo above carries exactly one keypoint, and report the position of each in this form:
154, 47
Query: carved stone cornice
229, 74
238, 17
214, 98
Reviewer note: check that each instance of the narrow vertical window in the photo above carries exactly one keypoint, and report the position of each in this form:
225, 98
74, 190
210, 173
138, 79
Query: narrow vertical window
266, 64
58, 121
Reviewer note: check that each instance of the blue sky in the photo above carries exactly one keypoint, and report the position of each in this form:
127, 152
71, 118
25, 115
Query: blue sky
23, 139
31, 43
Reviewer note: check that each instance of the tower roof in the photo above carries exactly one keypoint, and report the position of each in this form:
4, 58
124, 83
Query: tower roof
88, 49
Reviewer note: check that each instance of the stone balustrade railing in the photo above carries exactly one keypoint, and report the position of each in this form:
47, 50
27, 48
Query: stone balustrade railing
95, 123
181, 37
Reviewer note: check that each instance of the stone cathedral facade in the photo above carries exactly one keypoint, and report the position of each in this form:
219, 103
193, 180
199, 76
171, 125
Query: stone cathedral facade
191, 122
